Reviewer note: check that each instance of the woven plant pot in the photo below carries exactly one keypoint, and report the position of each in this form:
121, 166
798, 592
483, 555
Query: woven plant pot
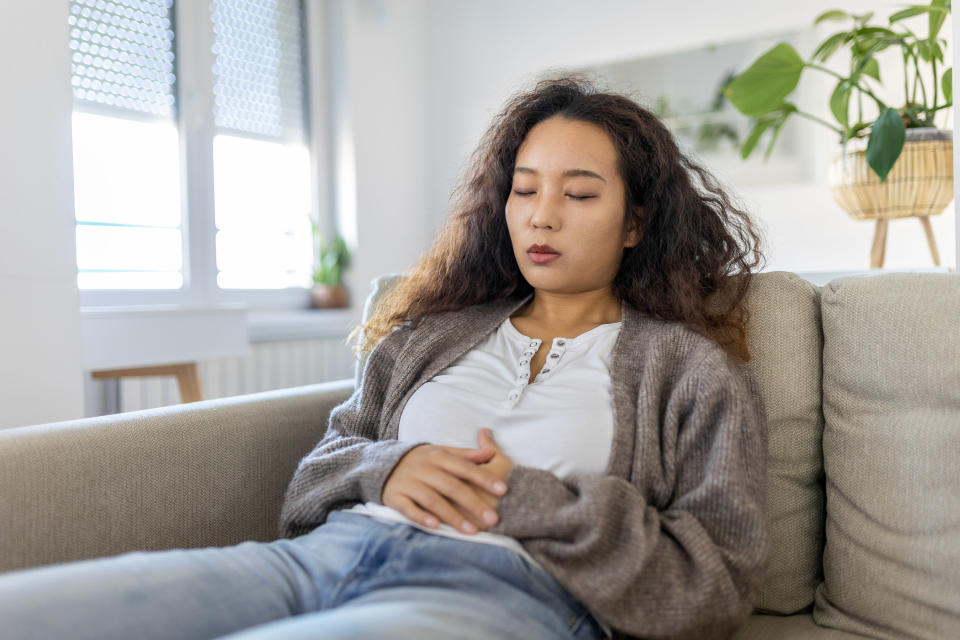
920, 183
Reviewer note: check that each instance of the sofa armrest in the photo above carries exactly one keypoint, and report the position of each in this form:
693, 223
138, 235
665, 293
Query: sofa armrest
209, 473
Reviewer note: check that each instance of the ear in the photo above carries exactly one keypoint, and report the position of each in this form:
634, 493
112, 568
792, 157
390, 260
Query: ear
633, 229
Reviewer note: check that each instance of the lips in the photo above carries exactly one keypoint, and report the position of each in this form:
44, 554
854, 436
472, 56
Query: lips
542, 248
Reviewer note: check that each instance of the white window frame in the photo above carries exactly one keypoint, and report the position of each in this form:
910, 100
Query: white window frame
193, 42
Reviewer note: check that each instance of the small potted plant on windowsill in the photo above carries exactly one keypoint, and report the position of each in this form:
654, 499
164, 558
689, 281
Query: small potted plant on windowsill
902, 143
328, 290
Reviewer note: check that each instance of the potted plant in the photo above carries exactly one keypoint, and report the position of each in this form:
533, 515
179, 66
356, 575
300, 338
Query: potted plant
330, 261
902, 143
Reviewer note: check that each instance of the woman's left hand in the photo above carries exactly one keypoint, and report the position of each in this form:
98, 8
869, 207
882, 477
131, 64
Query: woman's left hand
499, 465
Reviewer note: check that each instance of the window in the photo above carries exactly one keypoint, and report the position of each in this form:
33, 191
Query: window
192, 174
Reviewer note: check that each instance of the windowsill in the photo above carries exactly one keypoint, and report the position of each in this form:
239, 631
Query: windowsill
144, 335
299, 324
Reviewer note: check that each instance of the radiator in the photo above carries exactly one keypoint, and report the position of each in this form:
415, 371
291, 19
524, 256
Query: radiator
268, 365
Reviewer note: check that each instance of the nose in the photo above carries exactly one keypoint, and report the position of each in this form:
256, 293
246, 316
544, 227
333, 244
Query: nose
544, 213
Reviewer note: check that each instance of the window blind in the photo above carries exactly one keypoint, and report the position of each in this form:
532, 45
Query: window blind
122, 54
125, 145
261, 161
258, 68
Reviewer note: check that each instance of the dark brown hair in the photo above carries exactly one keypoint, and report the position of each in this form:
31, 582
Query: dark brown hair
694, 259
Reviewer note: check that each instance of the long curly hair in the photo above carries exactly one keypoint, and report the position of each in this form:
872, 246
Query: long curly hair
693, 262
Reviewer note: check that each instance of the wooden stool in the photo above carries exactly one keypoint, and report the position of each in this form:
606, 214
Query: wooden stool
188, 378
880, 242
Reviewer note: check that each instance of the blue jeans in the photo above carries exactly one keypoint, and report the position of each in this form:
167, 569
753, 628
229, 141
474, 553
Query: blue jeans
352, 577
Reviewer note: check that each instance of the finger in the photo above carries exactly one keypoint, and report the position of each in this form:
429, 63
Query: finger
481, 456
463, 496
409, 508
463, 451
432, 501
478, 475
485, 439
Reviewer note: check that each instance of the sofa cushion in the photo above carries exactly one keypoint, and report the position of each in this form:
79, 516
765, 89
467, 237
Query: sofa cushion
796, 627
891, 400
785, 345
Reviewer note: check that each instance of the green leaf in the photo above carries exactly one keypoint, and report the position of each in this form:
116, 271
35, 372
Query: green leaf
886, 142
937, 51
914, 10
946, 82
764, 85
776, 132
859, 126
874, 31
871, 68
833, 14
923, 48
754, 136
936, 19
829, 46
840, 102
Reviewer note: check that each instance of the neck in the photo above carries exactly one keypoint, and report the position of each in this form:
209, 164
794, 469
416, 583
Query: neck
593, 308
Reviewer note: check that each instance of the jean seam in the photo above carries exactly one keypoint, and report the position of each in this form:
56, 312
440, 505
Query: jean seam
350, 575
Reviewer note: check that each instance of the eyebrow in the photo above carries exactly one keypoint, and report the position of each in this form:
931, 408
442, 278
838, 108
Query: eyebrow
569, 172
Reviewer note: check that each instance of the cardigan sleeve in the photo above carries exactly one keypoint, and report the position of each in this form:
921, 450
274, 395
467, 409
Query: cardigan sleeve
350, 464
689, 570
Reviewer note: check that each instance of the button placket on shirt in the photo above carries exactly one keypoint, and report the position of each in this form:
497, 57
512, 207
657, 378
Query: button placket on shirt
554, 356
524, 374
556, 353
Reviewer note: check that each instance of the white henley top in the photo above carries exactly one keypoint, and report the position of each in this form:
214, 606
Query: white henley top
562, 421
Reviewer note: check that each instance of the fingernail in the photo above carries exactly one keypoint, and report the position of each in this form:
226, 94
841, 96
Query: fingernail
489, 517
499, 487
469, 528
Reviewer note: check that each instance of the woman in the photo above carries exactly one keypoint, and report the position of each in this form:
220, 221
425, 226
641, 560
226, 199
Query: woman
555, 435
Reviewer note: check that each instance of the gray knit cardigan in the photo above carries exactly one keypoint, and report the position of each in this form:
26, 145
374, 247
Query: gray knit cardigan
670, 542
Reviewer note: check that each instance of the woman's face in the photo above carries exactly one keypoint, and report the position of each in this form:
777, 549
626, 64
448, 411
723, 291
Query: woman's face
568, 193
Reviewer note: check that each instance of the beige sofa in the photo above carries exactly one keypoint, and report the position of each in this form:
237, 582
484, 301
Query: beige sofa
861, 383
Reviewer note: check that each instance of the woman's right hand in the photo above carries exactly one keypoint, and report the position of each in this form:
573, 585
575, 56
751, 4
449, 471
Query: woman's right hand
432, 483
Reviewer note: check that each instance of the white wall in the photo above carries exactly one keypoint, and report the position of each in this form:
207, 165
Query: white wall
40, 375
379, 111
478, 53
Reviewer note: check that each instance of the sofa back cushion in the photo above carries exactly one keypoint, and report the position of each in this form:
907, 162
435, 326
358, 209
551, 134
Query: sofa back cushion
785, 344
891, 400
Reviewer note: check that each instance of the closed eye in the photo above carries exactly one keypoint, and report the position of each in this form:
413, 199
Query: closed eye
530, 193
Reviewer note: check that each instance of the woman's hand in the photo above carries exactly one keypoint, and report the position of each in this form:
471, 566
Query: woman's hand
451, 484
499, 465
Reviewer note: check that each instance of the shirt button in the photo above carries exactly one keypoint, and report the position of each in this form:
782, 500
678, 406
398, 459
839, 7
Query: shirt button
561, 342
513, 396
544, 370
533, 344
523, 362
554, 355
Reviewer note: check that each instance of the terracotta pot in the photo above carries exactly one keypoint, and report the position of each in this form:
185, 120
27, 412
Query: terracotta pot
919, 184
325, 296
